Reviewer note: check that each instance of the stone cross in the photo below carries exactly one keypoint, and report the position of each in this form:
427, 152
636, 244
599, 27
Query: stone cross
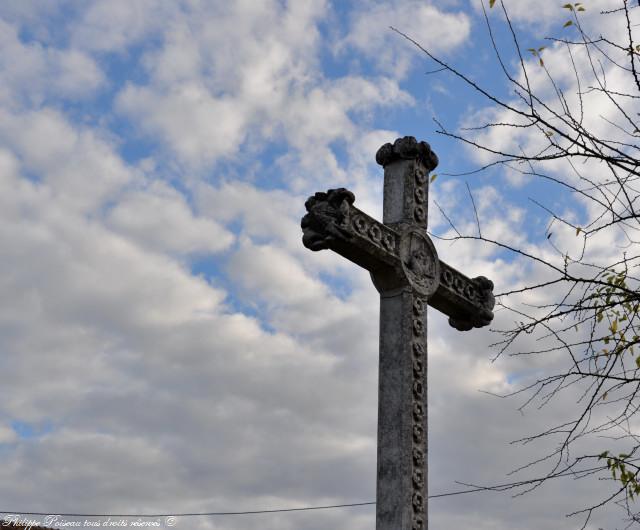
407, 273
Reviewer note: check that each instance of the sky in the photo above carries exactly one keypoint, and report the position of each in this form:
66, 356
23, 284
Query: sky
167, 345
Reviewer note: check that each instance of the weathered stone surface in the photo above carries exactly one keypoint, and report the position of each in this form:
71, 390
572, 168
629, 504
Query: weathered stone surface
327, 219
402, 411
410, 149
468, 302
408, 274
420, 263
333, 222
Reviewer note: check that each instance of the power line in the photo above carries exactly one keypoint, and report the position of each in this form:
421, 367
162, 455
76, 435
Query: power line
473, 489
194, 514
205, 514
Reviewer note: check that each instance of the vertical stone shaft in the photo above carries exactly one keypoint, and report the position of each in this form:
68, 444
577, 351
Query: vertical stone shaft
402, 400
402, 413
405, 194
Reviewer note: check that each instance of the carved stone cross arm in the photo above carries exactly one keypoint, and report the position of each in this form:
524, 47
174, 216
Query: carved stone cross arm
408, 274
332, 222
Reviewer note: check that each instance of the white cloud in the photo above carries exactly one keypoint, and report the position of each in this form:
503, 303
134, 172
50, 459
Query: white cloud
115, 25
264, 215
273, 274
208, 87
212, 92
7, 435
77, 164
33, 72
158, 217
547, 14
436, 29
198, 127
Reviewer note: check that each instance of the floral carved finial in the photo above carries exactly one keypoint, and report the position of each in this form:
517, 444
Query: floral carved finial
407, 148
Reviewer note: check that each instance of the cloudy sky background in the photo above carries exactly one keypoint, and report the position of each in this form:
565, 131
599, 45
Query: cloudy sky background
167, 343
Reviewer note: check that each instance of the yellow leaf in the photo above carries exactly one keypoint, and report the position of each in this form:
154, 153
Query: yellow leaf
614, 326
578, 230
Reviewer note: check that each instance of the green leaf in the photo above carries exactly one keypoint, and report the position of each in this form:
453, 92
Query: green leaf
568, 6
614, 326
638, 361
603, 455
568, 23
434, 177
578, 230
581, 9
492, 3
541, 62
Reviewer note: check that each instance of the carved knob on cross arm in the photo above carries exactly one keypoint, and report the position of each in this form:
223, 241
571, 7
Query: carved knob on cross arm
407, 148
484, 315
327, 214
